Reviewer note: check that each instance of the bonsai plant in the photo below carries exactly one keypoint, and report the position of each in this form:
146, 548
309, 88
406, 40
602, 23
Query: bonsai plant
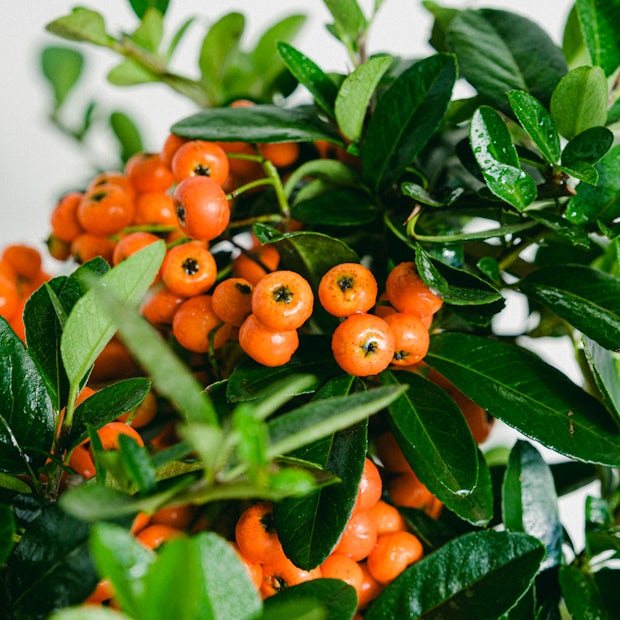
264, 387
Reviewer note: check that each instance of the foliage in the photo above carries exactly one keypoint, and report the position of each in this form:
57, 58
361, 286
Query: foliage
513, 191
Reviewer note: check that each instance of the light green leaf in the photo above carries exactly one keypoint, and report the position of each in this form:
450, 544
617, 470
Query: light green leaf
81, 25
150, 32
62, 67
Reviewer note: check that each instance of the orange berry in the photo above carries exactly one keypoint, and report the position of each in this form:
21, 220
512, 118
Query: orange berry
256, 536
370, 487
255, 569
105, 211
179, 516
171, 145
141, 520
232, 300
387, 518
153, 536
147, 172
110, 432
411, 338
160, 305
363, 344
196, 326
359, 536
406, 490
87, 246
82, 462
265, 346
370, 588
252, 265
188, 269
283, 574
25, 260
280, 154
392, 554
103, 592
347, 288
130, 244
338, 566
390, 454
144, 413
155, 208
9, 297
200, 158
63, 220
407, 292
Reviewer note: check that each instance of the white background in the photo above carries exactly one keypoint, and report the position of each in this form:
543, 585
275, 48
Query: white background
38, 163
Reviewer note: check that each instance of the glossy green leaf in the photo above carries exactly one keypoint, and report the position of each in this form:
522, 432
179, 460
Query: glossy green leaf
600, 203
588, 146
455, 286
332, 171
219, 49
579, 101
259, 123
498, 160
62, 67
599, 22
26, 414
589, 299
309, 527
308, 73
537, 122
529, 500
317, 599
127, 134
605, 368
344, 207
81, 24
318, 419
89, 328
105, 405
581, 594
405, 117
7, 532
518, 387
355, 93
499, 51
419, 418
51, 567
460, 577
565, 229
140, 7
581, 171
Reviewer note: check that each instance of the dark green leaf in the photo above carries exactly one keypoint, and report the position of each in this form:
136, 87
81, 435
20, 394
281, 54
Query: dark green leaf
318, 419
26, 414
455, 581
343, 207
7, 532
588, 146
579, 101
89, 328
498, 159
448, 467
405, 117
603, 201
127, 133
355, 93
499, 51
572, 475
50, 568
581, 594
537, 122
309, 527
259, 123
599, 22
62, 66
529, 501
455, 286
589, 299
137, 464
308, 73
80, 25
581, 171
605, 368
141, 6
516, 386
105, 405
562, 227
318, 599
613, 115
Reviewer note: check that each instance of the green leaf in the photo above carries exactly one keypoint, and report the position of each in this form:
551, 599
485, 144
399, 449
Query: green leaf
317, 599
129, 73
405, 117
605, 368
318, 419
588, 146
308, 73
525, 392
573, 44
499, 51
81, 25
529, 500
220, 47
537, 122
339, 207
589, 299
105, 405
62, 67
7, 532
50, 568
459, 577
355, 93
448, 467
89, 328
579, 101
259, 123
26, 415
599, 21
137, 464
563, 227
309, 527
127, 134
600, 203
84, 612
581, 171
150, 32
581, 594
140, 7
349, 21
498, 160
